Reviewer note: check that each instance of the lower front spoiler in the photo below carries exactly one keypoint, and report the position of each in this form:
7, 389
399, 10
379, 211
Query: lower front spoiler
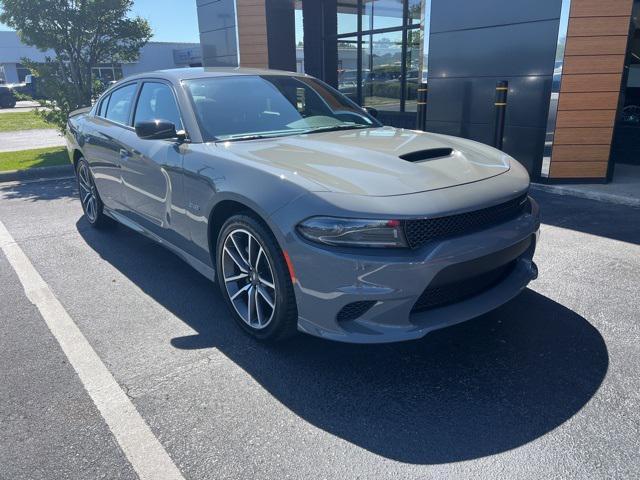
427, 321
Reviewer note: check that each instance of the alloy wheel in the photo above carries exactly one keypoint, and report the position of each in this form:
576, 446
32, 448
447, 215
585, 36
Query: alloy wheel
248, 278
88, 195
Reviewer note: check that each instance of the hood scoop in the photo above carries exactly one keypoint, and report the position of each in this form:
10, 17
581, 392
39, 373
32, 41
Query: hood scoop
422, 155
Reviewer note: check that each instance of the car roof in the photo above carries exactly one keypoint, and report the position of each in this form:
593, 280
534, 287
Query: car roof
178, 74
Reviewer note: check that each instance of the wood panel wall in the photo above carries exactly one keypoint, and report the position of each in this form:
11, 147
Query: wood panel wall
252, 33
590, 87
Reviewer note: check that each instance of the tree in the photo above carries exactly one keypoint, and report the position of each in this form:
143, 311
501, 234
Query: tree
82, 34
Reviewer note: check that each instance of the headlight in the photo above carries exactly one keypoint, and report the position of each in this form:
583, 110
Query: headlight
350, 232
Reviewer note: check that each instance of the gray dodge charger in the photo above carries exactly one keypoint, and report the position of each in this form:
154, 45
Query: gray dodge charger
309, 214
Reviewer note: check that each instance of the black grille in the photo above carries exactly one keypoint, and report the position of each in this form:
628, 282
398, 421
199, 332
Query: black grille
461, 290
351, 311
419, 232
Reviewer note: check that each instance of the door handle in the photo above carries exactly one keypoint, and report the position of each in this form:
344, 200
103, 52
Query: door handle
124, 154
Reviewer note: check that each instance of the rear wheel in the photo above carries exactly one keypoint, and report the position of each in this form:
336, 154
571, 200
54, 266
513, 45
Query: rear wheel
254, 279
89, 197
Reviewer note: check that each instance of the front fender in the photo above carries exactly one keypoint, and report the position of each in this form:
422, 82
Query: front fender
209, 181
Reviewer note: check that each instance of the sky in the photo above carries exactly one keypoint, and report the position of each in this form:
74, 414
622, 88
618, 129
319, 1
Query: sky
169, 23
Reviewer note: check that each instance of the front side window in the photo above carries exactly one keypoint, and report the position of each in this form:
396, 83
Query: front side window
120, 103
233, 107
157, 102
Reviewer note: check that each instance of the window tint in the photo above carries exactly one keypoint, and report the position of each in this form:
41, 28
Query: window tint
156, 102
120, 104
102, 111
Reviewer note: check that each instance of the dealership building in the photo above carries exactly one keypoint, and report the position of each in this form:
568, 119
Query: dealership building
570, 69
153, 56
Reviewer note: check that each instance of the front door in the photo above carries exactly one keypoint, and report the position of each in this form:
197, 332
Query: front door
151, 170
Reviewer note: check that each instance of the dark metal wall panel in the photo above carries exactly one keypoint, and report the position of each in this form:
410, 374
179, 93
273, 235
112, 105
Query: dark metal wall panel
523, 143
219, 43
216, 15
320, 22
475, 44
470, 100
507, 50
281, 34
464, 14
398, 119
217, 24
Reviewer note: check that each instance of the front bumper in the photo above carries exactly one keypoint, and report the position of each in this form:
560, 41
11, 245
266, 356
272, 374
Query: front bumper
329, 279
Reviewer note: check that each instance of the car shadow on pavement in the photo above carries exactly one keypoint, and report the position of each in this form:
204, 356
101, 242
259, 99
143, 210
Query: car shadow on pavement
476, 389
51, 189
618, 222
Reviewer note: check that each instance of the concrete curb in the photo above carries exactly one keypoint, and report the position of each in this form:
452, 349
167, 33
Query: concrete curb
588, 194
57, 171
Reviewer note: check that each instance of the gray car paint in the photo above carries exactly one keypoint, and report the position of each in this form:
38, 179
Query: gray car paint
169, 191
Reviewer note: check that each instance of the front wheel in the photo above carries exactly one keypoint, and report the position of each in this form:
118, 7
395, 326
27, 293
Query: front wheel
89, 197
254, 279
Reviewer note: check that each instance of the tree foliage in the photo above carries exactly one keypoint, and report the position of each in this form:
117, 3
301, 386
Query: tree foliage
81, 34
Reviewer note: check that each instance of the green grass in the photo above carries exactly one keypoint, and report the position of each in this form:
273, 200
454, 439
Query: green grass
39, 157
12, 121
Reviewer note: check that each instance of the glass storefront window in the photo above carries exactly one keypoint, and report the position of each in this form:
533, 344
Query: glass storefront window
382, 70
107, 73
22, 72
299, 36
347, 16
378, 14
415, 12
414, 75
348, 67
379, 48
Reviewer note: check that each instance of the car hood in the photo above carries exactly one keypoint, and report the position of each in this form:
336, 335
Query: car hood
367, 162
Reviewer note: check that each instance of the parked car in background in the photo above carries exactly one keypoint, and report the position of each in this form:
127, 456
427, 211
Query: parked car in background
9, 91
309, 213
7, 95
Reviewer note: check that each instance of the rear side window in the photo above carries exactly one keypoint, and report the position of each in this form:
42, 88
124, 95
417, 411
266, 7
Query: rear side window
119, 106
157, 102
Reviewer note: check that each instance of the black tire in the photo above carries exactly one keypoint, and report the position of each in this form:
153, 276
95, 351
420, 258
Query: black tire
93, 212
283, 321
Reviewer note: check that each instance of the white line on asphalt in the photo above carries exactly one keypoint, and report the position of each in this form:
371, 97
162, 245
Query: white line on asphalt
143, 450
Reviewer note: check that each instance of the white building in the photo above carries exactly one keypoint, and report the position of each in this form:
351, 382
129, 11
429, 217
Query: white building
153, 56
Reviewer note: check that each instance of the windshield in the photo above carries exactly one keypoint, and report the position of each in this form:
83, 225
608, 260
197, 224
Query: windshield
248, 106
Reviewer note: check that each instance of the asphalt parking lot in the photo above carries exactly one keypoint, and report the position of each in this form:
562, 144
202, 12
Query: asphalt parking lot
545, 387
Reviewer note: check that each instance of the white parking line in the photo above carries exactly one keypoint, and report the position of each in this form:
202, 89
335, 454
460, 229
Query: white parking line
143, 450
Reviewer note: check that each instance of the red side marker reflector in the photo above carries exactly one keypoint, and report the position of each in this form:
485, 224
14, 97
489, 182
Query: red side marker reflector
290, 266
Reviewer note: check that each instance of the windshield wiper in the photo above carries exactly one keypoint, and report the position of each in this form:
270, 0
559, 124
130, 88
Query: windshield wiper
257, 136
245, 137
327, 128
333, 128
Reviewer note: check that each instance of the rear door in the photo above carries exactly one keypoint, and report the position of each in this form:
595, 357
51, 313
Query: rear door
102, 142
152, 169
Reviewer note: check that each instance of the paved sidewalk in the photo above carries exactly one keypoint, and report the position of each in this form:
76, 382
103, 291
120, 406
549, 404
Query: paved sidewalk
28, 139
623, 190
21, 106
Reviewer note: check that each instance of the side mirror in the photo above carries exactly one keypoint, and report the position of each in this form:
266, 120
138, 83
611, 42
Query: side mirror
158, 130
371, 111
